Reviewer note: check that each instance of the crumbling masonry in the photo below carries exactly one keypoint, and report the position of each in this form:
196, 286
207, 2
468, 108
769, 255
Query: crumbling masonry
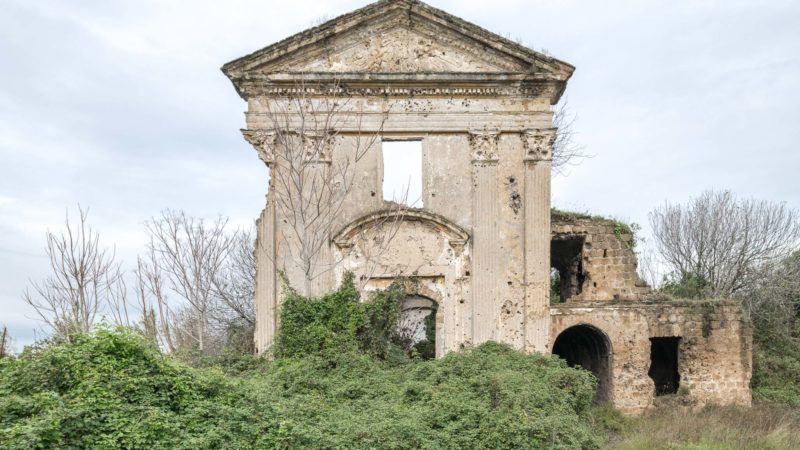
484, 244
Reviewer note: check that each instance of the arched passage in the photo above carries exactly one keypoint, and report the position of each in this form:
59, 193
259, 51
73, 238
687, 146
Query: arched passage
587, 347
416, 326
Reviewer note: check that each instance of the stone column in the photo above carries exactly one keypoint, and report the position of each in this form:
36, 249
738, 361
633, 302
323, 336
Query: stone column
266, 298
485, 211
538, 145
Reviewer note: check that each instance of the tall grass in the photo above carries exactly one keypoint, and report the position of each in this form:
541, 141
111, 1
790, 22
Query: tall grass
712, 428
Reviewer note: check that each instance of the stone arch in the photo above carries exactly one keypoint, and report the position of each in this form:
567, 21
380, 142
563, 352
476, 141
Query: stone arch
587, 346
418, 323
456, 235
427, 249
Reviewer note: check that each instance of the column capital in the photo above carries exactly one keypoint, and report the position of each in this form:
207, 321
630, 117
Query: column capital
538, 144
484, 144
315, 148
264, 143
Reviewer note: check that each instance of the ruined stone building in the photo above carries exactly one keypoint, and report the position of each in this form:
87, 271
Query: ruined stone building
483, 241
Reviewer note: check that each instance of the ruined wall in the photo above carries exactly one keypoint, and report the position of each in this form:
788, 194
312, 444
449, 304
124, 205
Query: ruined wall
606, 264
714, 356
483, 245
492, 181
480, 103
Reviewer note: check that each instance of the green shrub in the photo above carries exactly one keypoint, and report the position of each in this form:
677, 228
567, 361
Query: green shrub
115, 390
776, 369
338, 381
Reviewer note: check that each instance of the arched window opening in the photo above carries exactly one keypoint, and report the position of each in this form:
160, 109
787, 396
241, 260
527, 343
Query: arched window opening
416, 326
587, 347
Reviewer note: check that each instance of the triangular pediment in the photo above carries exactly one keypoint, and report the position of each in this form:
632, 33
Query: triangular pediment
396, 49
398, 36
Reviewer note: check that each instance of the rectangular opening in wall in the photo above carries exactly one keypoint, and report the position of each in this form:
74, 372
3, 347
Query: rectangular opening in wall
402, 172
664, 364
566, 271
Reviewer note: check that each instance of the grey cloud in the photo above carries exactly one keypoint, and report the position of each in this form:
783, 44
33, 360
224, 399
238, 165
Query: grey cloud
121, 106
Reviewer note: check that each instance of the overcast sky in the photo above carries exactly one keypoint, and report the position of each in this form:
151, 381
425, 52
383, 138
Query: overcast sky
120, 106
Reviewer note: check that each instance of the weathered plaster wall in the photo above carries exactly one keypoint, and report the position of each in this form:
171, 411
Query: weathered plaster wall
482, 179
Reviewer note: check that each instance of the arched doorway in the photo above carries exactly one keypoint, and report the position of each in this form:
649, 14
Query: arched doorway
587, 347
416, 325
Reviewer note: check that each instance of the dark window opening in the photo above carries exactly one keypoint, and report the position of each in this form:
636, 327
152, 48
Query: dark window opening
566, 259
664, 364
587, 347
416, 326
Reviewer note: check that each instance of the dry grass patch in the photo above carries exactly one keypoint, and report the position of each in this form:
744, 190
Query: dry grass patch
712, 428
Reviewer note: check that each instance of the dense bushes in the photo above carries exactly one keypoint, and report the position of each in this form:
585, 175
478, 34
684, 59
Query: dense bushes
776, 370
334, 384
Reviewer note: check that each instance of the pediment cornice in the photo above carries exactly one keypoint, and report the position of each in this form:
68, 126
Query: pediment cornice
395, 45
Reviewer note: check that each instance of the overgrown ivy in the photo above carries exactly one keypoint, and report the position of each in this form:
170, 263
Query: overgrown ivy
336, 380
115, 390
339, 322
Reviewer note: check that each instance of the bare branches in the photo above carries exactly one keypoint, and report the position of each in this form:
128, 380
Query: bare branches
190, 252
194, 282
723, 240
308, 184
566, 151
374, 240
195, 285
234, 284
84, 279
157, 316
5, 343
773, 299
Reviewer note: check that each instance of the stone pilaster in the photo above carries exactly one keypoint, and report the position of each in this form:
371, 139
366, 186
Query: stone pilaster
538, 145
317, 152
485, 233
266, 298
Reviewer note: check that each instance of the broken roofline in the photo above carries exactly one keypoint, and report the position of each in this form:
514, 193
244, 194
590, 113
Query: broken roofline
541, 66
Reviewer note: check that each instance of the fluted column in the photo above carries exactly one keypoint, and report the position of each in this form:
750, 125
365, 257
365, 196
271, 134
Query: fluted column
538, 145
485, 211
266, 298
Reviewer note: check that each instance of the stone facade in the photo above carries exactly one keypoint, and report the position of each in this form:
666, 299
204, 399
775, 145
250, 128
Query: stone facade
640, 345
481, 245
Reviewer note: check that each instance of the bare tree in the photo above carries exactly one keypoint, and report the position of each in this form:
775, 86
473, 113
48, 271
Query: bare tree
772, 300
566, 151
308, 185
189, 253
723, 241
5, 343
648, 264
234, 284
84, 280
156, 314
